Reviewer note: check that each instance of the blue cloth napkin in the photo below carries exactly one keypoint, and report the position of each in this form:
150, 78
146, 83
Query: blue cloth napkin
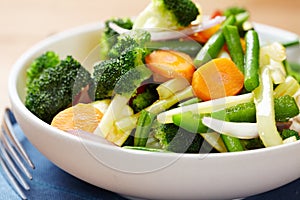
51, 183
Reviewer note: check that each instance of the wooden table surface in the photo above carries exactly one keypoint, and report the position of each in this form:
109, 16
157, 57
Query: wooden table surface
24, 23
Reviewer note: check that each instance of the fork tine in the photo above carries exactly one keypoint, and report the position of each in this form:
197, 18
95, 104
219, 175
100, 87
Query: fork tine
13, 153
13, 168
10, 132
11, 178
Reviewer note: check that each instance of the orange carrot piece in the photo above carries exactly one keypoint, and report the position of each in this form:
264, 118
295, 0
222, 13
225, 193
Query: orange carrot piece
218, 78
170, 64
203, 36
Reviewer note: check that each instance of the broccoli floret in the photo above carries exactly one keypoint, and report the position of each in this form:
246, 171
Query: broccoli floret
46, 60
109, 36
123, 73
130, 40
55, 88
173, 138
145, 96
286, 133
170, 14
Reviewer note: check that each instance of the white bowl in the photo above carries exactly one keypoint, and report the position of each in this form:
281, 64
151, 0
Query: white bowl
144, 174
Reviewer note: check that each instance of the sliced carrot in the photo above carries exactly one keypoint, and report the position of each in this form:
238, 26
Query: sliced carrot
218, 78
170, 64
79, 117
203, 36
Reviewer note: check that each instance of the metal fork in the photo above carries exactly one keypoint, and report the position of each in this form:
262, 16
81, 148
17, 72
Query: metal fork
13, 155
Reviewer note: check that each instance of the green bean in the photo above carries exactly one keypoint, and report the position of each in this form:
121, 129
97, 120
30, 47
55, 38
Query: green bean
292, 43
189, 47
232, 144
144, 124
233, 42
251, 61
213, 46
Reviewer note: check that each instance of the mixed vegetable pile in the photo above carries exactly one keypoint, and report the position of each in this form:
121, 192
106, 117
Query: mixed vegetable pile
173, 81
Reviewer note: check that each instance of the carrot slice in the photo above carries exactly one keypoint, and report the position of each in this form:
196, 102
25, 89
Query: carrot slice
218, 78
170, 64
79, 117
204, 36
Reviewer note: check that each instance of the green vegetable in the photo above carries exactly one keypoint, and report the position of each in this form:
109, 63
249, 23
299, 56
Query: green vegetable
46, 60
232, 144
292, 43
241, 16
144, 124
292, 69
244, 112
109, 36
145, 98
285, 108
149, 114
211, 49
120, 77
56, 88
205, 107
213, 46
172, 138
191, 122
250, 144
128, 69
186, 46
129, 41
233, 42
167, 14
233, 11
287, 133
251, 61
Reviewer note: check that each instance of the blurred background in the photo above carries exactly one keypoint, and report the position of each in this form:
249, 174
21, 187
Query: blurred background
23, 23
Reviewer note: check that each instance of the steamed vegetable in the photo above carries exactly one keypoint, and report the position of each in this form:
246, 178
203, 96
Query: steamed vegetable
175, 14
109, 36
175, 139
161, 91
47, 60
234, 45
167, 64
56, 87
217, 78
251, 66
129, 53
213, 46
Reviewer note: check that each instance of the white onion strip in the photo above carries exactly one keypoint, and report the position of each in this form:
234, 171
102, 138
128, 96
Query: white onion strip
235, 129
167, 34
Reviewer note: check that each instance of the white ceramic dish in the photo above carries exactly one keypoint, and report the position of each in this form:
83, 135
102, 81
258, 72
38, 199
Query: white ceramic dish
144, 174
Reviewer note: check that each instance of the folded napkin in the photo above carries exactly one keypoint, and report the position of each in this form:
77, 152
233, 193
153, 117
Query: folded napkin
51, 183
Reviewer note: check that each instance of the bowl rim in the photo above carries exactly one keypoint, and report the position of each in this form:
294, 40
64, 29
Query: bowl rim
28, 55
